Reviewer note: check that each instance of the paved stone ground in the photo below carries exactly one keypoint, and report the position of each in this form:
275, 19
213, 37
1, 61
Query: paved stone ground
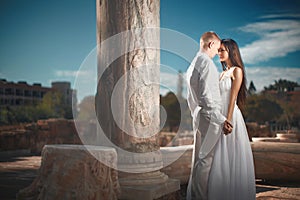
18, 170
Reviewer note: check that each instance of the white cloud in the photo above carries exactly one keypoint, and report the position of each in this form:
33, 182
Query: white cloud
261, 77
83, 81
264, 76
286, 15
70, 73
169, 82
277, 39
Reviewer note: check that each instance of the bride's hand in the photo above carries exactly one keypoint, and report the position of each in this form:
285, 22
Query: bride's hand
227, 127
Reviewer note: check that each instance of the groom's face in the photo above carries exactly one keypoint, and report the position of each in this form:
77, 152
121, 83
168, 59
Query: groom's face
216, 47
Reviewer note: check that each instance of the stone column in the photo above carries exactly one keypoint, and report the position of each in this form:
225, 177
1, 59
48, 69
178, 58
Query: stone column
127, 100
131, 61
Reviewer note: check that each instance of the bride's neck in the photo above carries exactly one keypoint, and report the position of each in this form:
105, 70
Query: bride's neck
228, 64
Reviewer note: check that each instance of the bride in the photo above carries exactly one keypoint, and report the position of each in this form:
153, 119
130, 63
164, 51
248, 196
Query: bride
232, 173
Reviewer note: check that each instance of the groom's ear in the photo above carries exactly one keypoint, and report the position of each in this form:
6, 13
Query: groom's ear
210, 44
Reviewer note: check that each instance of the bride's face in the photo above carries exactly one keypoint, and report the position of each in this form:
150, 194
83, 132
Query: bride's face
223, 53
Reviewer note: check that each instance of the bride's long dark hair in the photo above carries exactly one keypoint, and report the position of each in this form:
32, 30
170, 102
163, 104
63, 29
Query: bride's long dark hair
236, 61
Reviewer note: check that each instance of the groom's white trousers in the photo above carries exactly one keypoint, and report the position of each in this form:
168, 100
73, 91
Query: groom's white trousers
202, 158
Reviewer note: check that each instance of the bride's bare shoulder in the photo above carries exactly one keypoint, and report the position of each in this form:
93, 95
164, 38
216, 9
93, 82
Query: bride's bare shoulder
237, 72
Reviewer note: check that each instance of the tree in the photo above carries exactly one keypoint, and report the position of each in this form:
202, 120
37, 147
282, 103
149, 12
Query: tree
172, 107
24, 113
251, 89
177, 111
87, 108
261, 109
52, 106
288, 99
4, 116
282, 86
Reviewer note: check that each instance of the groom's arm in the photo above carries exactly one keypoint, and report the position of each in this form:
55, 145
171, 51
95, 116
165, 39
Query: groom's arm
209, 92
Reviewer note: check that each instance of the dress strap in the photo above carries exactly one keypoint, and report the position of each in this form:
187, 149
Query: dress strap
231, 69
231, 72
228, 73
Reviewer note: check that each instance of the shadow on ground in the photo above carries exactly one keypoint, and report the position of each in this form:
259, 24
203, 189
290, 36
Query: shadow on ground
18, 170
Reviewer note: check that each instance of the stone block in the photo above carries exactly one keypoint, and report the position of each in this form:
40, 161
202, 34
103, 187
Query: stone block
71, 172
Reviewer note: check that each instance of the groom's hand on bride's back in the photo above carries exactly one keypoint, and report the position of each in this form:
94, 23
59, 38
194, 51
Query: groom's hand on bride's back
227, 127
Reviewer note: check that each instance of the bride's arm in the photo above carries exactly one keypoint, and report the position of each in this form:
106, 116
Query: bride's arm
236, 85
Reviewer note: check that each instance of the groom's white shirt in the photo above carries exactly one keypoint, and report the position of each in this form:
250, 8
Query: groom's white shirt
203, 97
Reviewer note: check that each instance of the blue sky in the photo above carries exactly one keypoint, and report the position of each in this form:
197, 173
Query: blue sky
45, 41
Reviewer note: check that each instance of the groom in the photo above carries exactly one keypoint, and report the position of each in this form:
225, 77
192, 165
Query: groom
205, 103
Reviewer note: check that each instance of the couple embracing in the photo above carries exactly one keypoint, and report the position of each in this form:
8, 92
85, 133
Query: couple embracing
222, 166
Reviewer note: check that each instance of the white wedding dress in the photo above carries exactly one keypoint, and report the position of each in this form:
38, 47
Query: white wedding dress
232, 173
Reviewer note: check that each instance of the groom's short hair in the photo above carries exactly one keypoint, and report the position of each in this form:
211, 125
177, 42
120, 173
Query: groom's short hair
208, 37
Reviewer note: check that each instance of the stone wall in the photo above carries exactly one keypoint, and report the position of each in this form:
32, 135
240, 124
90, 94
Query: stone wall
35, 135
169, 139
273, 161
256, 130
181, 167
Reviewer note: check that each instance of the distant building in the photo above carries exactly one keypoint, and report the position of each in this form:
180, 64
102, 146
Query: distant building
69, 95
21, 93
